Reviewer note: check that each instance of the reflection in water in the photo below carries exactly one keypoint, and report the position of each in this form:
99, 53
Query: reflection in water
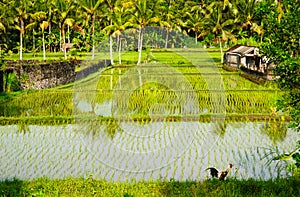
156, 150
220, 127
276, 130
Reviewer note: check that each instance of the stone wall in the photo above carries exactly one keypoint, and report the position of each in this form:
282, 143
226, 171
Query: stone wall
253, 75
91, 69
41, 75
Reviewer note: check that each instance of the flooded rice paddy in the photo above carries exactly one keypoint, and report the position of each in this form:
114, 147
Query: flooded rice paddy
152, 151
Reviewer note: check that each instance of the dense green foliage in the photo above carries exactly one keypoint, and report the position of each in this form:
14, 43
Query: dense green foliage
282, 43
51, 23
91, 187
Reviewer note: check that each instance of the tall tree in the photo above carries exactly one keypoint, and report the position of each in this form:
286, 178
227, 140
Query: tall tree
35, 20
220, 24
110, 10
282, 44
120, 23
50, 10
21, 8
91, 7
171, 18
43, 26
2, 26
63, 11
196, 21
144, 15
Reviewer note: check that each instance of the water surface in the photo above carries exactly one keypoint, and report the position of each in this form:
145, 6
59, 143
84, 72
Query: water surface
158, 150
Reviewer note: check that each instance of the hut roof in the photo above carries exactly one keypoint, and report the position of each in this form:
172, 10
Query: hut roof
242, 50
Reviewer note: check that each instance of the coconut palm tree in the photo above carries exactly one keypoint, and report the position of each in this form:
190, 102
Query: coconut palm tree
196, 22
170, 18
144, 15
220, 24
43, 26
21, 8
2, 26
2, 29
91, 8
37, 19
120, 23
245, 15
109, 11
51, 16
63, 12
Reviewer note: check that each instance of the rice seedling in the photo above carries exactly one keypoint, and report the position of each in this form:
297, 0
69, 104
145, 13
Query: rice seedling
144, 105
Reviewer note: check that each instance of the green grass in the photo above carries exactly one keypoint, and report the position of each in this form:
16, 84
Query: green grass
50, 56
91, 187
5, 96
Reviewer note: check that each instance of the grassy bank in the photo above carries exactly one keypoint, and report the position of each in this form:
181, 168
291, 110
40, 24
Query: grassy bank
91, 187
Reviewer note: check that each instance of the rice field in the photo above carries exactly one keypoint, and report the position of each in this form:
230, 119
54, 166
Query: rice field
170, 118
154, 151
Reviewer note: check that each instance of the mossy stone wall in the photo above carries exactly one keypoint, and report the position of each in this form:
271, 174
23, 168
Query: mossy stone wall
41, 75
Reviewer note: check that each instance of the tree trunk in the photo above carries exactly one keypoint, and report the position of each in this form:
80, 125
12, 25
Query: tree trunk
64, 41
60, 34
33, 42
21, 39
44, 48
21, 46
68, 33
49, 36
111, 50
221, 51
1, 81
167, 38
93, 37
119, 48
140, 44
111, 46
196, 35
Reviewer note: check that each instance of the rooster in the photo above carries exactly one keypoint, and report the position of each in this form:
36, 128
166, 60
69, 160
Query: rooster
220, 175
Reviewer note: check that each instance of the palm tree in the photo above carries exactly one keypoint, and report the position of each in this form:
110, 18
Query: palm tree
64, 9
220, 25
2, 29
169, 19
51, 19
245, 15
43, 26
37, 18
120, 23
21, 9
91, 8
144, 15
196, 22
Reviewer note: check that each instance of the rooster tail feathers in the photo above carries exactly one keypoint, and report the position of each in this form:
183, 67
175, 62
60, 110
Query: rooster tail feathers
213, 172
